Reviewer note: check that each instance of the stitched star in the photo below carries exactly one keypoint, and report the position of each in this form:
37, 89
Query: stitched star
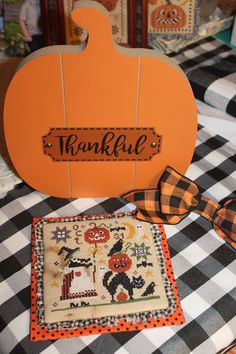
55, 285
145, 237
60, 234
102, 261
55, 248
149, 273
140, 251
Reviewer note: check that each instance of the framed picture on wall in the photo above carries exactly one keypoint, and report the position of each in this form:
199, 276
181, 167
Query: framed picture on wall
169, 19
60, 29
1, 26
53, 21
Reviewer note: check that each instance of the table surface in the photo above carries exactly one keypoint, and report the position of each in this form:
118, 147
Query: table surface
204, 265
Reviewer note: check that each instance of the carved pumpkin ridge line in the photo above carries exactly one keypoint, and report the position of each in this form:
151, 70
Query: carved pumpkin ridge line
65, 118
137, 111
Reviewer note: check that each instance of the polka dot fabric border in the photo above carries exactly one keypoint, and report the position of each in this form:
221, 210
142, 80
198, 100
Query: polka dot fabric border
38, 333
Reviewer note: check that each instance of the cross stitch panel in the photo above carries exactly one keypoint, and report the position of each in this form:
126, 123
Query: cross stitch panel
97, 268
172, 18
118, 11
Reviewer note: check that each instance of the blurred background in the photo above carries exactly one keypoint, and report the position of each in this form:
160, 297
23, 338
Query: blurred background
132, 24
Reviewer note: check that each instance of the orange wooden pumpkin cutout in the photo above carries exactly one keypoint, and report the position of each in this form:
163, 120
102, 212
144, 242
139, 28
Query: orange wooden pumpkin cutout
100, 120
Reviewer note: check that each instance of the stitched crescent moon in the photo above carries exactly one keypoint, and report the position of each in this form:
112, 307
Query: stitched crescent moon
132, 230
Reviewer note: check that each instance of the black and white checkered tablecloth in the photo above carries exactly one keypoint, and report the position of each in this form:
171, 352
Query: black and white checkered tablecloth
205, 52
204, 266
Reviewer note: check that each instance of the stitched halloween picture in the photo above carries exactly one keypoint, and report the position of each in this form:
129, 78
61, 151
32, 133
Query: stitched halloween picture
118, 12
98, 268
172, 18
100, 273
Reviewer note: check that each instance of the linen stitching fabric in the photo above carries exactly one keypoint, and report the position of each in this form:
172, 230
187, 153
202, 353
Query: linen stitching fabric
108, 320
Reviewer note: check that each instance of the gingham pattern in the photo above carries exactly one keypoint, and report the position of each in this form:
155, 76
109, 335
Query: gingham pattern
216, 85
175, 197
205, 52
204, 267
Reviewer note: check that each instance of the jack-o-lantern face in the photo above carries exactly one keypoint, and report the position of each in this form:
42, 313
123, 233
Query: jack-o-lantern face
119, 262
97, 235
110, 5
168, 16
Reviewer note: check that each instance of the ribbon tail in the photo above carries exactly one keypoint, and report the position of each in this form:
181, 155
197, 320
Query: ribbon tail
224, 236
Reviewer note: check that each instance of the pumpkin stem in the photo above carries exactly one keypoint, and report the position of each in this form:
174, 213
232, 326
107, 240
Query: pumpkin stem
168, 2
102, 224
90, 15
93, 224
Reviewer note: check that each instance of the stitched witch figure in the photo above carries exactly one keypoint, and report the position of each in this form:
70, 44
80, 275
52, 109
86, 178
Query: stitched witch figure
76, 281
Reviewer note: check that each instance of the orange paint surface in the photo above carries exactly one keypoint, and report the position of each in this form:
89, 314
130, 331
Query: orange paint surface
98, 87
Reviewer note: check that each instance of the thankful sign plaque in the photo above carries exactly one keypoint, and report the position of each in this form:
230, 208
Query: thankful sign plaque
122, 119
101, 144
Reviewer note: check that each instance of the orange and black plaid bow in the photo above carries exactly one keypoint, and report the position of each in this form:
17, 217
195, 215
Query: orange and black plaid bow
176, 197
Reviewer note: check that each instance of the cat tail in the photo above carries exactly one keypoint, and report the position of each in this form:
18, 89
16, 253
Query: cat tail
107, 275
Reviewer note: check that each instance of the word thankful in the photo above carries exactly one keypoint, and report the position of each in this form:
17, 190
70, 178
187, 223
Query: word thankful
101, 144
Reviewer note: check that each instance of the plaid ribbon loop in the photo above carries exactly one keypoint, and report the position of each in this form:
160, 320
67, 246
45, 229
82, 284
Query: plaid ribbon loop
176, 197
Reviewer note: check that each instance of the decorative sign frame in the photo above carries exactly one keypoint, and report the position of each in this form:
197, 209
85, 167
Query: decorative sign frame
101, 144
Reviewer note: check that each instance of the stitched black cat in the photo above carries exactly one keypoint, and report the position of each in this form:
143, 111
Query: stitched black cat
138, 282
122, 279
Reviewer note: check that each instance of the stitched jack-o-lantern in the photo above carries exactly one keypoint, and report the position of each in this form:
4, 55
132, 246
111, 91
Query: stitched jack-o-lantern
121, 296
168, 16
99, 120
119, 262
97, 235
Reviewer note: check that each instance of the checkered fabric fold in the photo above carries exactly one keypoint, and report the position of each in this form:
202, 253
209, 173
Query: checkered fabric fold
176, 197
216, 84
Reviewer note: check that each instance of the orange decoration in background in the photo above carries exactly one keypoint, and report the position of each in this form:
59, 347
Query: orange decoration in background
168, 16
100, 86
110, 5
